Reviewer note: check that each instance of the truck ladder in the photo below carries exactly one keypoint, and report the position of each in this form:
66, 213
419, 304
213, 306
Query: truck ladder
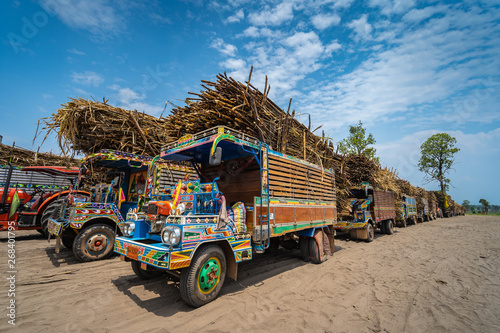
264, 196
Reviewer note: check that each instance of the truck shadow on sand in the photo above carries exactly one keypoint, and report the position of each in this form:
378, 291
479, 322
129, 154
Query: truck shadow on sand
65, 255
168, 300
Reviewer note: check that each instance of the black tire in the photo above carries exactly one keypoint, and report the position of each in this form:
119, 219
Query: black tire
388, 227
315, 253
53, 207
210, 263
94, 243
383, 227
370, 233
145, 274
304, 248
67, 242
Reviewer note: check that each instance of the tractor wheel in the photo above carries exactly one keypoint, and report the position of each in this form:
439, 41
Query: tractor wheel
51, 209
388, 227
370, 233
202, 281
94, 243
145, 274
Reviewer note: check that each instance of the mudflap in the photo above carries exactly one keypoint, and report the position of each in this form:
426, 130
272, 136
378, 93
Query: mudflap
330, 239
359, 233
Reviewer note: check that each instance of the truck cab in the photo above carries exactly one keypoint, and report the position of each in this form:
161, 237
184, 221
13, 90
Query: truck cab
370, 209
88, 227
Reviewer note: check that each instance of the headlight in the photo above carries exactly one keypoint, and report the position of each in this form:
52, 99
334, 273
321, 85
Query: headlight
171, 235
128, 229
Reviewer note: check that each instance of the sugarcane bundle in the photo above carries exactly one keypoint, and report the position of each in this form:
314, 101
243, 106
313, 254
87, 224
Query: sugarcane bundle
87, 127
23, 157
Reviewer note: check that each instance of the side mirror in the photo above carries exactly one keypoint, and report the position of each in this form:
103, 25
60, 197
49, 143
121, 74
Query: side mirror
216, 158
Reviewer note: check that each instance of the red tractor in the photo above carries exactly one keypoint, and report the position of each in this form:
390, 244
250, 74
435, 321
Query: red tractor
41, 190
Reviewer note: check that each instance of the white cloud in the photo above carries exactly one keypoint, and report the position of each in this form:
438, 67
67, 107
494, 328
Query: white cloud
127, 95
97, 16
75, 51
88, 78
427, 68
325, 21
131, 100
251, 32
417, 15
283, 12
332, 47
226, 49
389, 7
238, 16
361, 27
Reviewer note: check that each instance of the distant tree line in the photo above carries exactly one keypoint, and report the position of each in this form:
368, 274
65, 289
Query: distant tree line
484, 207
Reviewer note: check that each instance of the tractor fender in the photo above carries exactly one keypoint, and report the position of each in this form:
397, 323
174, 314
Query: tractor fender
56, 196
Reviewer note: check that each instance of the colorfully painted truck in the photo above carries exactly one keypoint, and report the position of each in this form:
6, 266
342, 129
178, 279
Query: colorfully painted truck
424, 215
89, 226
30, 195
245, 197
370, 209
409, 211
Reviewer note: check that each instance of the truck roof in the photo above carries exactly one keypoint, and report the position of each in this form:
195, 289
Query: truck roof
197, 147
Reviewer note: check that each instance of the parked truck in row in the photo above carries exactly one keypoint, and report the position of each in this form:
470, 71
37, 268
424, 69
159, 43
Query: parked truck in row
88, 225
244, 198
370, 209
409, 211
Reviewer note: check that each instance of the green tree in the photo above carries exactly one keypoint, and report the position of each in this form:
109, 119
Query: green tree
486, 205
357, 143
466, 204
437, 158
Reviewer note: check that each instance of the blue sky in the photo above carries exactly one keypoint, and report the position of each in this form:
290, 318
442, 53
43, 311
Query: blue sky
408, 69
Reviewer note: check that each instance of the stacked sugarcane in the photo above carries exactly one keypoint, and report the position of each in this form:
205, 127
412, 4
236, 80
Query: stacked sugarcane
23, 157
88, 126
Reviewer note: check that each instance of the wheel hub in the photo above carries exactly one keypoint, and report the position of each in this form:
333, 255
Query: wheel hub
209, 275
97, 243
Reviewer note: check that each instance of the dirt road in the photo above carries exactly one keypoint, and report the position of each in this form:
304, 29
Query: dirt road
437, 276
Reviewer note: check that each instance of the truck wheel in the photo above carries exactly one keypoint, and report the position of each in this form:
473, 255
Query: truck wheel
383, 227
68, 242
202, 281
304, 248
315, 252
370, 233
145, 274
388, 227
94, 243
47, 213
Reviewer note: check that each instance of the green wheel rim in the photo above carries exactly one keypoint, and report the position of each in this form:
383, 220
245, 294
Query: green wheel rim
209, 275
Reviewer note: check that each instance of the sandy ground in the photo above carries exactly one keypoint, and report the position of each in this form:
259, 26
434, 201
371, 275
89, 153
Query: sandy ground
438, 276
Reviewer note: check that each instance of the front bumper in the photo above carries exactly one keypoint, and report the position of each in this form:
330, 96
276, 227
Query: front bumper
157, 254
342, 225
